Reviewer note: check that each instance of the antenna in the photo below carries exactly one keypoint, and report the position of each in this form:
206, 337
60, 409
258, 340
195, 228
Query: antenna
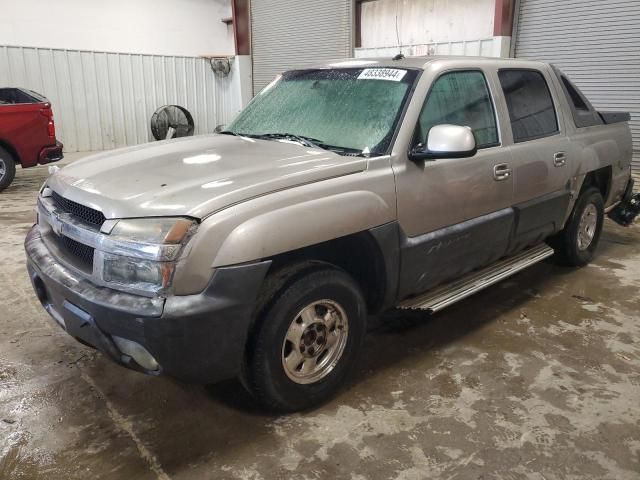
398, 31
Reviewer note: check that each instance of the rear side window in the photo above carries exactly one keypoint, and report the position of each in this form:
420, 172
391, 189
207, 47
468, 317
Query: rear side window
15, 96
460, 98
582, 111
574, 96
530, 105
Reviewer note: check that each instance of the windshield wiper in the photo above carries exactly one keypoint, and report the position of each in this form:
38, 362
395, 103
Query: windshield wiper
351, 152
229, 132
306, 141
312, 143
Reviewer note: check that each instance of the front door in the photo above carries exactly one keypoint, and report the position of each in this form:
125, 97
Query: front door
454, 213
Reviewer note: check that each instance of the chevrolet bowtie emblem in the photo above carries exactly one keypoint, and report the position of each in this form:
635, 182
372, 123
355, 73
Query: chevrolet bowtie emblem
57, 220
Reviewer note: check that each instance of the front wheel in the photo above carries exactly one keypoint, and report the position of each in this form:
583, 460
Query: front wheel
306, 340
577, 243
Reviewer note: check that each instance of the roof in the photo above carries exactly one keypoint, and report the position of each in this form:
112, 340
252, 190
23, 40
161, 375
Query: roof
420, 62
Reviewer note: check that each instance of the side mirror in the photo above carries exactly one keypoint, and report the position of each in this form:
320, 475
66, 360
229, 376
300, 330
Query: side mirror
446, 141
219, 128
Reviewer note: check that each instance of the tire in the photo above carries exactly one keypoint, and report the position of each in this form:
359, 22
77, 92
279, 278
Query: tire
577, 243
323, 310
7, 169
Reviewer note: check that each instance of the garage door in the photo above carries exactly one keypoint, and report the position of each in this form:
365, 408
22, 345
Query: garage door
596, 43
287, 34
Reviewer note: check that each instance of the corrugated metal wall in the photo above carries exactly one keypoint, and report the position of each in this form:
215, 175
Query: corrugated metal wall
286, 34
483, 48
596, 43
105, 100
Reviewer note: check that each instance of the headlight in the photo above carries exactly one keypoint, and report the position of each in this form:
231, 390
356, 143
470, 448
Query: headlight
140, 254
143, 274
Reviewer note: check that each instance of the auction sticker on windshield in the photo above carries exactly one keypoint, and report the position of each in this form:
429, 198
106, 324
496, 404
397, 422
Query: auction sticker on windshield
392, 74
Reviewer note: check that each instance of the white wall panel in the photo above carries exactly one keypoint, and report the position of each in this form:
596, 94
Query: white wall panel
105, 100
156, 27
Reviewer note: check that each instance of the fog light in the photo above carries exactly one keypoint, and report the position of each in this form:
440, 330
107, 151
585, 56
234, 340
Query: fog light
137, 352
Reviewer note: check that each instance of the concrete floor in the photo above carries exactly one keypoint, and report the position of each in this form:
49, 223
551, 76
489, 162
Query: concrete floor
537, 378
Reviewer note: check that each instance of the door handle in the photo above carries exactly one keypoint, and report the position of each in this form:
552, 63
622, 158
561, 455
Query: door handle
560, 159
501, 172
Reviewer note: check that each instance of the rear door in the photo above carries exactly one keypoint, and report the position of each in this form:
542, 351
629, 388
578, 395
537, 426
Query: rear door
542, 156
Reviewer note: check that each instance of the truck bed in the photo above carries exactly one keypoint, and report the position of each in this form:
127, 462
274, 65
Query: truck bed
27, 129
615, 117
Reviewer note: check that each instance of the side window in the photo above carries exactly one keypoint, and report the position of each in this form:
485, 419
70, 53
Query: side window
460, 98
574, 96
582, 112
530, 105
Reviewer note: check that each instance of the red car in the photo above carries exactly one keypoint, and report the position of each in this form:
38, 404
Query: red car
27, 132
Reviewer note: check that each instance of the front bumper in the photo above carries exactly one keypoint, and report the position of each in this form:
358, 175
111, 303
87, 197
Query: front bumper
197, 338
51, 154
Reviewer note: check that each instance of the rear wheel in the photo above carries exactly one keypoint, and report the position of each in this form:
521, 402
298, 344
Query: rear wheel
577, 243
306, 339
7, 169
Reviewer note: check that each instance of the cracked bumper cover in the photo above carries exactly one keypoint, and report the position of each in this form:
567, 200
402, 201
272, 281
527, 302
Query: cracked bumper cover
197, 338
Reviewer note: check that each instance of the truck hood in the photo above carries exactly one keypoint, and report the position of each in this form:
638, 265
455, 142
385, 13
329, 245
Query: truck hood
194, 176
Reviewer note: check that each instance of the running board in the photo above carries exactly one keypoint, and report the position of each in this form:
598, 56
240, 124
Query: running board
441, 297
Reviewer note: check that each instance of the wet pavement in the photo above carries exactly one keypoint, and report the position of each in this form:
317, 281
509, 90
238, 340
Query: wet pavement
536, 378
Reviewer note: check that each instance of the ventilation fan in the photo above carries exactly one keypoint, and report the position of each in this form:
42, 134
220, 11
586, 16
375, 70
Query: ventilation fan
171, 121
221, 66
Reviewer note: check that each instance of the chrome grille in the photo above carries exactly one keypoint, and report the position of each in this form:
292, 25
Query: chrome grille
86, 214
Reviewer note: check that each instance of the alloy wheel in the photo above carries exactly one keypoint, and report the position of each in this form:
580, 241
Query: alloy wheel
315, 341
587, 226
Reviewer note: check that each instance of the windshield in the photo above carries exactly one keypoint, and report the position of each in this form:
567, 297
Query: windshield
346, 110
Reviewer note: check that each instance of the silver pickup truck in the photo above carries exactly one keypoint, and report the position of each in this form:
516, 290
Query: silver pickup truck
340, 191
